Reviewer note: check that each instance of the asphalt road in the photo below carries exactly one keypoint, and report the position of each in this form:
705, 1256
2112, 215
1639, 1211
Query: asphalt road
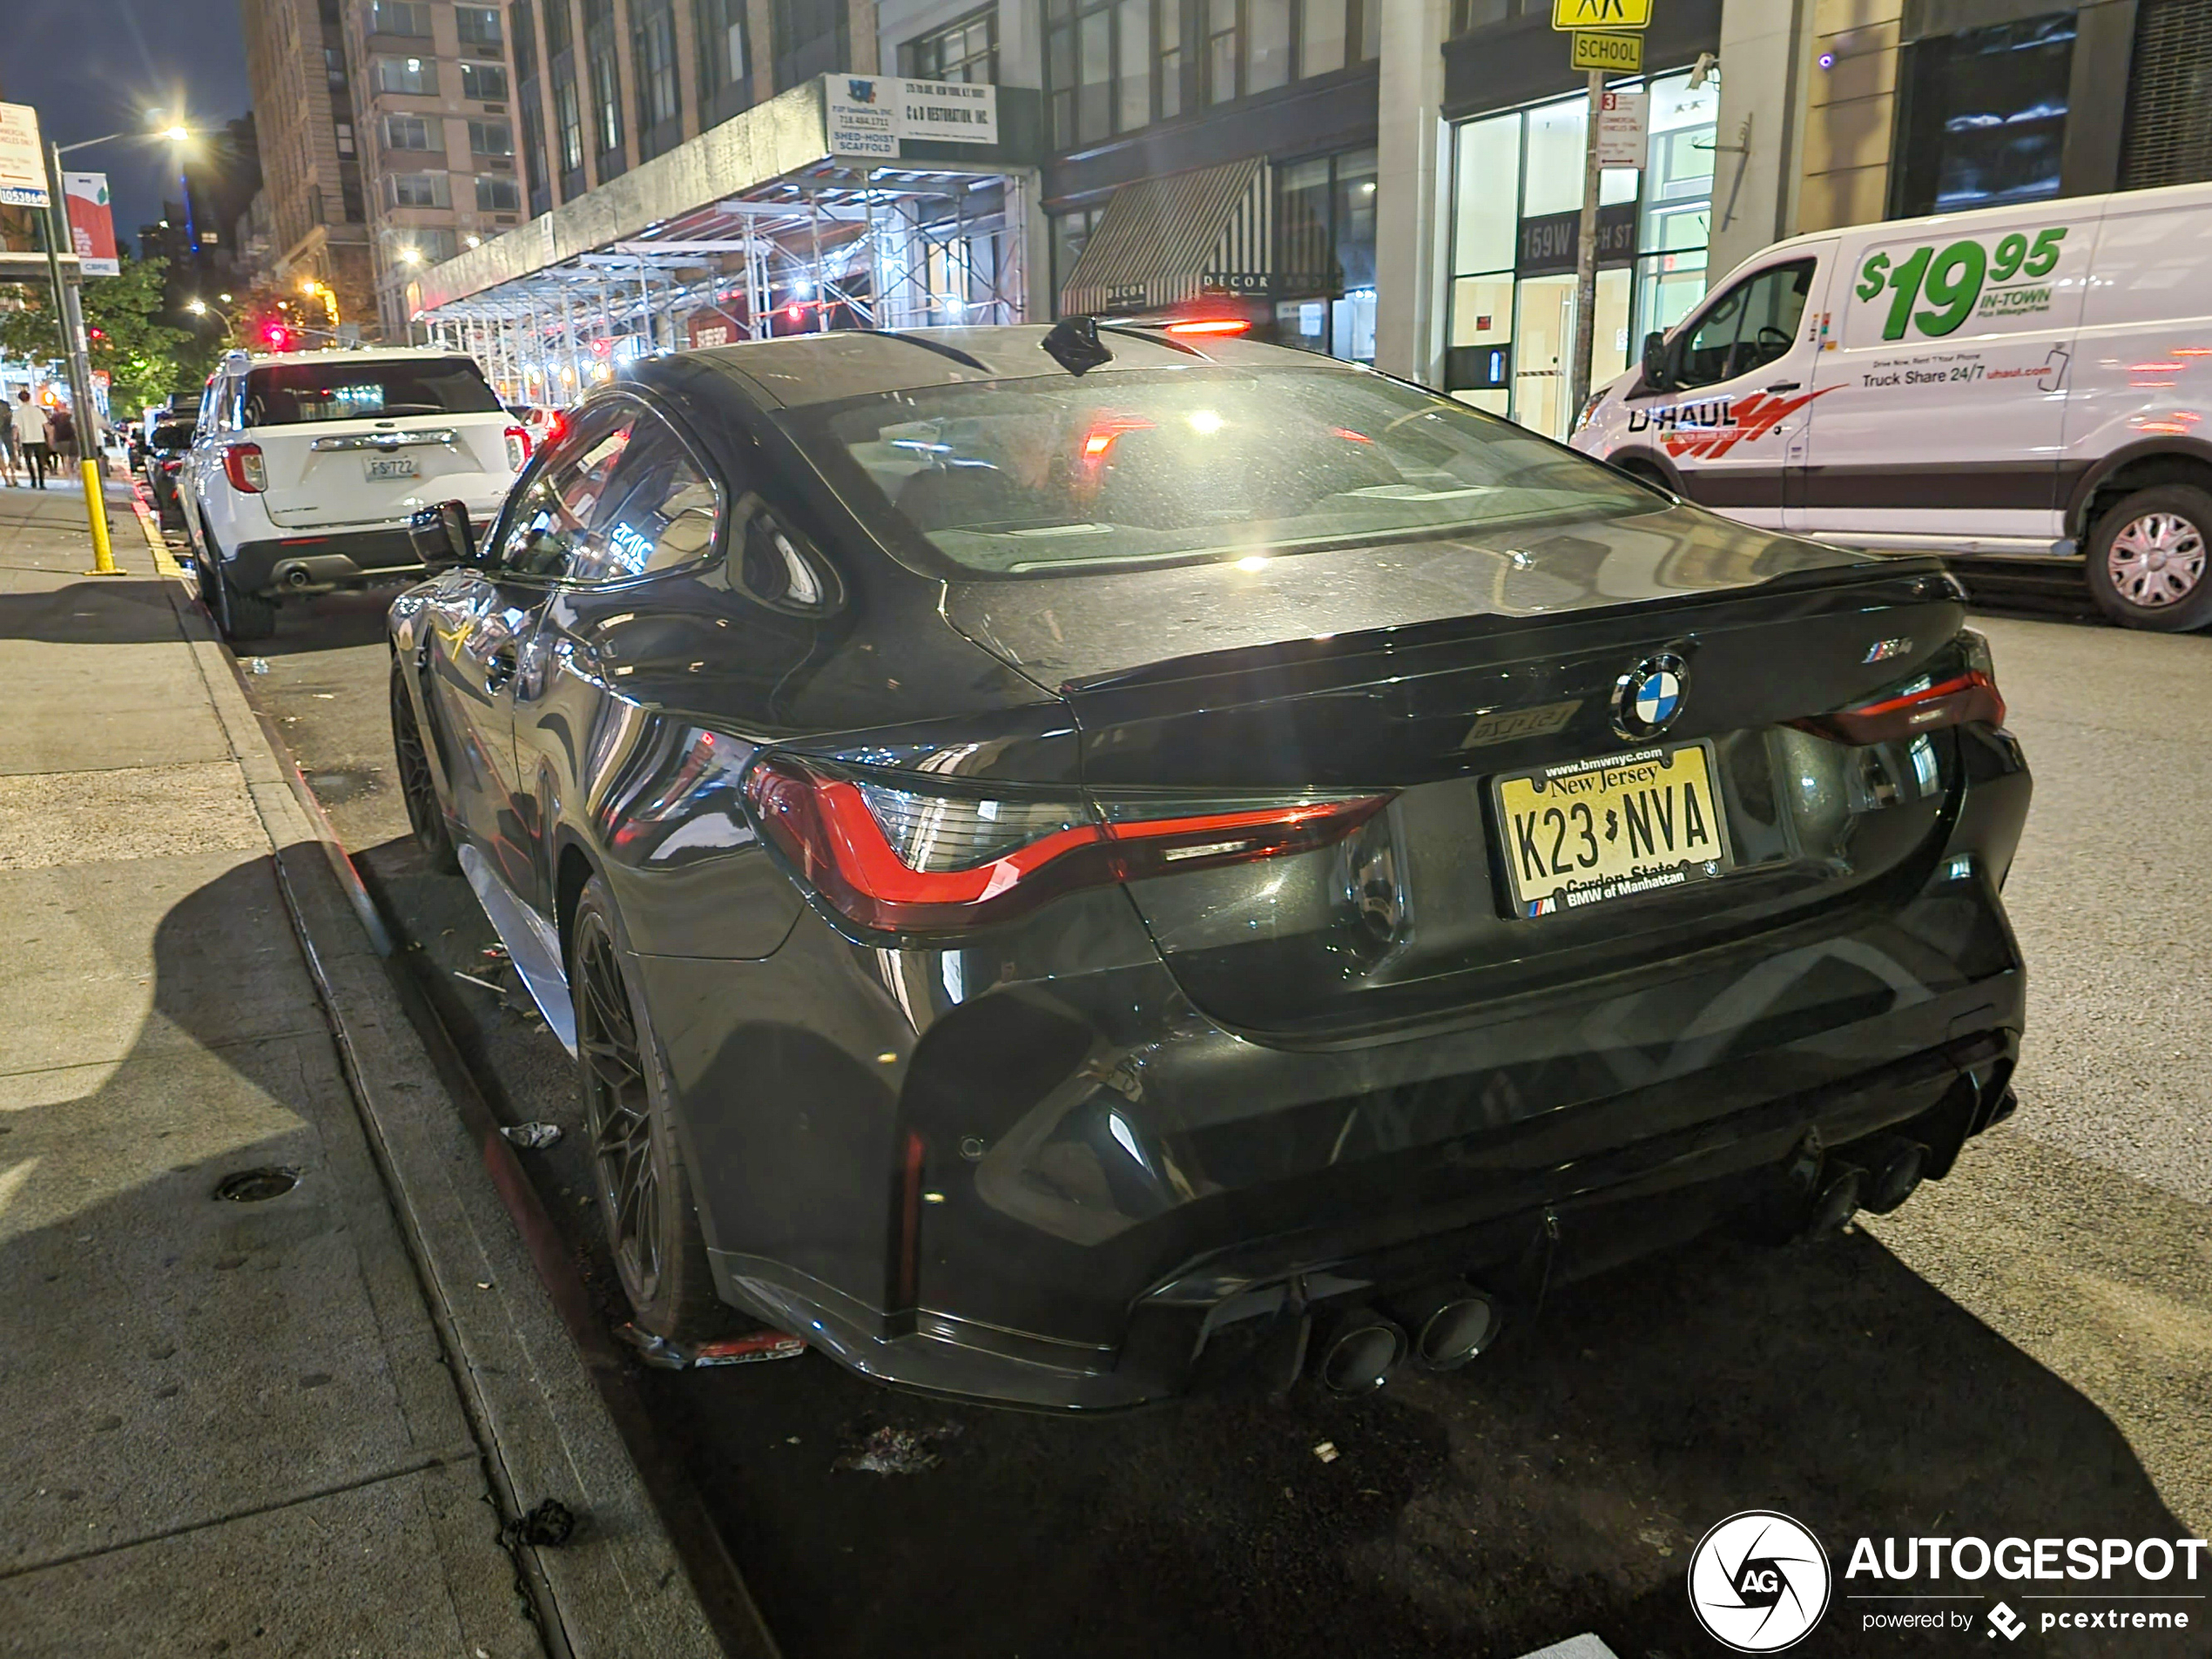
2024, 1349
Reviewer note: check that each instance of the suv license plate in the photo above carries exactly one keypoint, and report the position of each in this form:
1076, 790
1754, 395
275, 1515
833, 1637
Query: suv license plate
1580, 834
394, 467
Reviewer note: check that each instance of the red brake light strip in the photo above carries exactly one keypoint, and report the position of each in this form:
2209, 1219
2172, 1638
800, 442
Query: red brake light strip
1970, 697
823, 825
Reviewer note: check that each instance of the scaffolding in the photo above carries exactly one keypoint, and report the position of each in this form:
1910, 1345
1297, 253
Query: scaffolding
831, 245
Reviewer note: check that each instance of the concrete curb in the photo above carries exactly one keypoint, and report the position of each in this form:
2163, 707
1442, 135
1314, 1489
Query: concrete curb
540, 1381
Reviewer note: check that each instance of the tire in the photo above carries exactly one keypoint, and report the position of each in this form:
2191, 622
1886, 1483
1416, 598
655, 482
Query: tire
426, 813
239, 616
644, 1190
2150, 559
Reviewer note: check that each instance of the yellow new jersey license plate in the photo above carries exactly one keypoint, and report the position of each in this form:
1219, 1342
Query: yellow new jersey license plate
1589, 831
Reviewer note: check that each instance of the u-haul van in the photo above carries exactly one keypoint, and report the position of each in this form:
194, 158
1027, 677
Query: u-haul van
2028, 381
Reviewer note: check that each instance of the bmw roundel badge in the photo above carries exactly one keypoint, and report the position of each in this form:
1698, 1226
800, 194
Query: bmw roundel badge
1646, 698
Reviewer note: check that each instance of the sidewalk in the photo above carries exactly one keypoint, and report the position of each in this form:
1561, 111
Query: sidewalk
243, 1427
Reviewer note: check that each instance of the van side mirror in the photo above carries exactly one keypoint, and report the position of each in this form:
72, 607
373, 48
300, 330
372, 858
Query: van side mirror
1655, 361
443, 535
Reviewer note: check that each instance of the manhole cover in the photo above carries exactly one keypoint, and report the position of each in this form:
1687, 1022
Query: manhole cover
254, 1186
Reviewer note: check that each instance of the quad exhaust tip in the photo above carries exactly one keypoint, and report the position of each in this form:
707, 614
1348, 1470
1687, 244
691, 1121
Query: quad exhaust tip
1897, 1175
1359, 1355
1450, 1325
1840, 1200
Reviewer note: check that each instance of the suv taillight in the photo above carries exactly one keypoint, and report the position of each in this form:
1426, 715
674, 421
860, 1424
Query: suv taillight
893, 858
243, 465
518, 448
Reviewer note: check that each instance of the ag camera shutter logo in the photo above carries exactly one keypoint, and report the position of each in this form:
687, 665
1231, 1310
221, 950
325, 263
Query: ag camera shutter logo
1758, 1581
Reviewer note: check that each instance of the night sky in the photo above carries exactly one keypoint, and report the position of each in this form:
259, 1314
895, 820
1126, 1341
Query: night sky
97, 66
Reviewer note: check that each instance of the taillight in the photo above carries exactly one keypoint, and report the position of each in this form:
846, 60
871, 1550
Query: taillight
1204, 326
243, 465
518, 448
173, 466
895, 859
1964, 692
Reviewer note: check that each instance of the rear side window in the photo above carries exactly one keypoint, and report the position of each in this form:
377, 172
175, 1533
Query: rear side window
347, 388
656, 512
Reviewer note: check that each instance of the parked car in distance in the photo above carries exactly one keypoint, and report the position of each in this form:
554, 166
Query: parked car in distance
2031, 381
1071, 858
541, 420
305, 467
167, 448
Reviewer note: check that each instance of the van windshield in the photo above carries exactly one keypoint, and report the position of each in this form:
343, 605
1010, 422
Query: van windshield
1051, 476
354, 389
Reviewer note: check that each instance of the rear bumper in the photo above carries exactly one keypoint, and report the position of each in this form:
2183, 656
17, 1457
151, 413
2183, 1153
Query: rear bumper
1068, 1188
318, 561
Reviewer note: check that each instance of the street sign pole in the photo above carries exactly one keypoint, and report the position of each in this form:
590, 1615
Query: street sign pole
1578, 384
71, 314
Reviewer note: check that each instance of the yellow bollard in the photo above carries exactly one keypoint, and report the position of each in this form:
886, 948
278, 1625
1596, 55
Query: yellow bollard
95, 511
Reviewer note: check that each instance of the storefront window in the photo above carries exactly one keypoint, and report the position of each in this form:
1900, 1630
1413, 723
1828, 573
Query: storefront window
1676, 223
1517, 193
1324, 257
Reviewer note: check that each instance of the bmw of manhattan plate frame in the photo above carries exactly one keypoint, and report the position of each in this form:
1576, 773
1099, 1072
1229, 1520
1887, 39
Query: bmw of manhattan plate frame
1590, 831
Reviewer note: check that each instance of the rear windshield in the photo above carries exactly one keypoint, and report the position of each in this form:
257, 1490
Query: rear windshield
344, 389
1047, 476
172, 435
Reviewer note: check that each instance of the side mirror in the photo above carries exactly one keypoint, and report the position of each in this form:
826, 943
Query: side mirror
1655, 361
443, 535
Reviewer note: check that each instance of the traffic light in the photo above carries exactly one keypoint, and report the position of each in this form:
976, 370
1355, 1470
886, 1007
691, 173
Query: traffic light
276, 336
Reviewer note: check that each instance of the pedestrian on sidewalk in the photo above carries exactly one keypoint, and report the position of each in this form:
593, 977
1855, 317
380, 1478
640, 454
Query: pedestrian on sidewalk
11, 452
61, 433
29, 426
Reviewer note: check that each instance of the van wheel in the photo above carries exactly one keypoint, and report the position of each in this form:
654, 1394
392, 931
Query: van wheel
2147, 558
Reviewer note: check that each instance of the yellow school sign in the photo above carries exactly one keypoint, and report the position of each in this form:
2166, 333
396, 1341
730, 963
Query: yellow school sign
1601, 14
1615, 54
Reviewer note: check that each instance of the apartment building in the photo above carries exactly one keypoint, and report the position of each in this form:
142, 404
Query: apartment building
296, 63
433, 106
605, 86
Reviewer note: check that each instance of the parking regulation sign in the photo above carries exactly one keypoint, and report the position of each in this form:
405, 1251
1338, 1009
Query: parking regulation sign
22, 161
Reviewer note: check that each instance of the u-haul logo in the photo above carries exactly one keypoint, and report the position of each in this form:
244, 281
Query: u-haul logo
1710, 429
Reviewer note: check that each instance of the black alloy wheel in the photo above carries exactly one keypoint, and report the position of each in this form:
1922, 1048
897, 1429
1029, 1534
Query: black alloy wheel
644, 1192
426, 813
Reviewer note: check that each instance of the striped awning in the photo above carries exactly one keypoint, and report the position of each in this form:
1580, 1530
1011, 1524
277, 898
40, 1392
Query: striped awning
1161, 241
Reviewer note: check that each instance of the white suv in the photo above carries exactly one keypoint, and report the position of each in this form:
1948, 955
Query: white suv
307, 465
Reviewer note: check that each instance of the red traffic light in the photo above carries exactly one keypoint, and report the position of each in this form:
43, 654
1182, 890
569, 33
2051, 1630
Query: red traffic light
277, 336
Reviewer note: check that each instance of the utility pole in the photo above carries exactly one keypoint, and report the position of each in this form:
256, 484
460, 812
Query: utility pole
1578, 384
70, 312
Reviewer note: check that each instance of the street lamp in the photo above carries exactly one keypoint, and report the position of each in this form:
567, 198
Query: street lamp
200, 307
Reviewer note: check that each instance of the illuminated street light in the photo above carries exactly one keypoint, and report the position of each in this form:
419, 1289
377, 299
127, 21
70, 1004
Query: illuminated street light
410, 256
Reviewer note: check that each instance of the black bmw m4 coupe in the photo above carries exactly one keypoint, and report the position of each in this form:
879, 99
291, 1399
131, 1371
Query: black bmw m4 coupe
1075, 860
